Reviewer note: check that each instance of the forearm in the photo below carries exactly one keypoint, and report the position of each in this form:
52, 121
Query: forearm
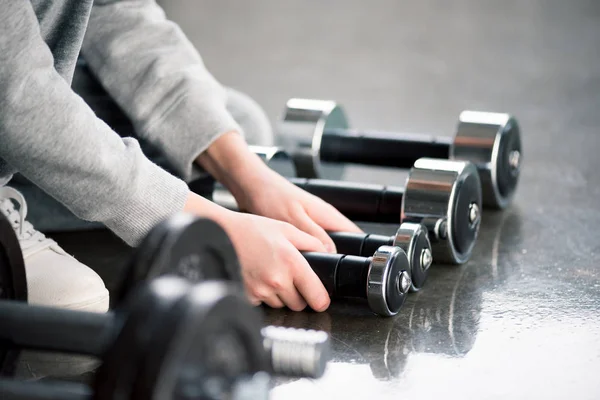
230, 161
158, 78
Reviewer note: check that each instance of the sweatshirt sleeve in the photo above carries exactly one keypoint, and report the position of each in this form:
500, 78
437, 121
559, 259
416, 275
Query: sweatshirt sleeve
53, 138
158, 78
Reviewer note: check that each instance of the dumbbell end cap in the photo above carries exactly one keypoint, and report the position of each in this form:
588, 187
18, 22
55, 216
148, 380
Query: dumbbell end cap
493, 142
464, 218
388, 281
413, 238
304, 123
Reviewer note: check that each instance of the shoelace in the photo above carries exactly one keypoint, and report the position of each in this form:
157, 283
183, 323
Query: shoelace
27, 234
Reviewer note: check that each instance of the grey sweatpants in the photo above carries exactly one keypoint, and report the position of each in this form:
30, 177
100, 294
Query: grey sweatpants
47, 214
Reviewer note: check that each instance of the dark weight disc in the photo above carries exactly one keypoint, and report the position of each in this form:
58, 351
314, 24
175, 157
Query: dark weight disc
510, 158
419, 272
144, 310
464, 231
395, 297
194, 248
213, 335
13, 283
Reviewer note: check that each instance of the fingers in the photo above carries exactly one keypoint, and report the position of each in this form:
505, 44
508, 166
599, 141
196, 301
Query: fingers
292, 299
310, 287
328, 217
298, 286
277, 297
268, 297
254, 301
280, 284
302, 240
274, 301
306, 224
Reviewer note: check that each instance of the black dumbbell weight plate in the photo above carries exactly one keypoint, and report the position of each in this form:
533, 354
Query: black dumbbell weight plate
418, 273
508, 176
13, 284
212, 333
399, 262
464, 231
194, 248
145, 310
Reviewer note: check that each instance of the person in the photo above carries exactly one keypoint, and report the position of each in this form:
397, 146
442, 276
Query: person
52, 137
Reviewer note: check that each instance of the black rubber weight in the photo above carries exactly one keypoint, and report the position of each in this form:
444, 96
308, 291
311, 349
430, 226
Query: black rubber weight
395, 299
469, 191
507, 178
418, 275
116, 377
13, 284
214, 321
194, 248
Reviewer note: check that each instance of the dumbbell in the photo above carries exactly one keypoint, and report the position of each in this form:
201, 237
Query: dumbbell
443, 195
411, 237
195, 243
383, 279
386, 276
134, 340
179, 234
327, 266
490, 140
170, 339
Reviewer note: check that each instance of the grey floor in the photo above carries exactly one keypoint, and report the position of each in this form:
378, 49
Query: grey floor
521, 319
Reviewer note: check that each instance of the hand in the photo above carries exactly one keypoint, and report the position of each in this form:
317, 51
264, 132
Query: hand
273, 269
271, 195
262, 191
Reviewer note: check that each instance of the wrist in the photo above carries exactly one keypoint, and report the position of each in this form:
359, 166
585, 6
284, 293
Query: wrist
230, 161
201, 207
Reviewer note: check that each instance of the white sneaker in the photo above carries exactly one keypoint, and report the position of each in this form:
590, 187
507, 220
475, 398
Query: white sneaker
54, 278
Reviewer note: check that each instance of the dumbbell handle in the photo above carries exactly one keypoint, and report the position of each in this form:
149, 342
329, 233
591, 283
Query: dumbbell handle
399, 150
53, 329
19, 390
357, 201
342, 275
362, 244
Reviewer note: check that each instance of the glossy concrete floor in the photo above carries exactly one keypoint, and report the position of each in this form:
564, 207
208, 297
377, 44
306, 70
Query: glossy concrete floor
521, 320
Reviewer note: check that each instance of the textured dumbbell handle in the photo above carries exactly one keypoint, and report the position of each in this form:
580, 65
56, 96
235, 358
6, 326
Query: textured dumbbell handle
357, 201
20, 390
54, 329
296, 352
360, 244
342, 275
399, 150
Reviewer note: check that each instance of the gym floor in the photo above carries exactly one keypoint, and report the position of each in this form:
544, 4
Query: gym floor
521, 319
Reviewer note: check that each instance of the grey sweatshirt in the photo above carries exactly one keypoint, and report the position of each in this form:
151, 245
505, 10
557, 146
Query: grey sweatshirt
51, 136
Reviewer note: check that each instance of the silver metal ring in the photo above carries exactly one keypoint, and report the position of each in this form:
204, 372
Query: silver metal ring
303, 126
